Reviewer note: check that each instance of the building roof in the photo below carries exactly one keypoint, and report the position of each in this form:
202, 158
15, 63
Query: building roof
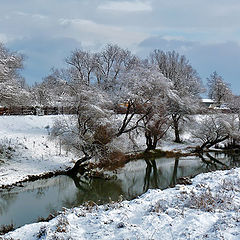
207, 100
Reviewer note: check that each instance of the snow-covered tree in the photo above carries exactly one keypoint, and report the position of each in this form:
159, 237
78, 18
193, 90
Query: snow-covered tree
54, 90
212, 130
185, 81
146, 92
110, 63
218, 89
12, 91
234, 129
91, 131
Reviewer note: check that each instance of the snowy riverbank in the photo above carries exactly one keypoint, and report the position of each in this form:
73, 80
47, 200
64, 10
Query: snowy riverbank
207, 209
26, 150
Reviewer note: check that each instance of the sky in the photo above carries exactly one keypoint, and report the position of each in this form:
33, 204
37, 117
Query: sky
46, 31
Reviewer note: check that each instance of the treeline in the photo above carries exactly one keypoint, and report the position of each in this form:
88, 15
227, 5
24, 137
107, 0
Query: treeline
157, 94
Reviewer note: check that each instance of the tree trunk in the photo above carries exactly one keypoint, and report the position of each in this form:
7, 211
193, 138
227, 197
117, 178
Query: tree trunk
209, 144
151, 142
77, 167
176, 128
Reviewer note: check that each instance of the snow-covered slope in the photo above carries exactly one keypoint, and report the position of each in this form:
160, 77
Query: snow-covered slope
27, 150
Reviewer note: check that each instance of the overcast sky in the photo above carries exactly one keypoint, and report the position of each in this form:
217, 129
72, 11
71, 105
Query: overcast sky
46, 31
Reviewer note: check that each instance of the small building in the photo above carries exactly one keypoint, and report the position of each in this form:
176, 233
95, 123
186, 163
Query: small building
209, 103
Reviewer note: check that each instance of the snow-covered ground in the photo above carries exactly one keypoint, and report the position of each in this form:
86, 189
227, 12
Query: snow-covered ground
207, 209
27, 150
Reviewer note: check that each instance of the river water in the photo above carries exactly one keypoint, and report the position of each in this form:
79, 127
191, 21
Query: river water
22, 205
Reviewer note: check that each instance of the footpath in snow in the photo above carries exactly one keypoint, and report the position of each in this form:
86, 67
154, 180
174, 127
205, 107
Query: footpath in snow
207, 209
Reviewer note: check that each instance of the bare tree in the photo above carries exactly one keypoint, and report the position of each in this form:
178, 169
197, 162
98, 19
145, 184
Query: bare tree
90, 132
111, 62
234, 121
82, 66
54, 90
146, 91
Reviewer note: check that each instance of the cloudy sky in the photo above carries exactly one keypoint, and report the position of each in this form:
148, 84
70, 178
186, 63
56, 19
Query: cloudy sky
206, 31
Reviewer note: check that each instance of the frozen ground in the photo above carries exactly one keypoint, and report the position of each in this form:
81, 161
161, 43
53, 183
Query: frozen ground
207, 209
26, 148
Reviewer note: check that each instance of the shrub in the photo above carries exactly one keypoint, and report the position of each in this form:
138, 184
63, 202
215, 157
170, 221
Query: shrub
6, 228
62, 224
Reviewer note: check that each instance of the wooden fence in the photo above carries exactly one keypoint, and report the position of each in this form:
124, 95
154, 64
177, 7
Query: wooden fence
28, 110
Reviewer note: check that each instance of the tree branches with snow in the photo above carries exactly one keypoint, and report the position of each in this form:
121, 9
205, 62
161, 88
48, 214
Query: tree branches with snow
12, 90
185, 81
218, 89
212, 130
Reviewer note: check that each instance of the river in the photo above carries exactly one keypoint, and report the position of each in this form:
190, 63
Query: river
22, 205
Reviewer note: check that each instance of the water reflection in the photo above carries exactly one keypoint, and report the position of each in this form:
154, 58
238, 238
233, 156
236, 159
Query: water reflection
25, 204
174, 175
94, 189
5, 201
151, 168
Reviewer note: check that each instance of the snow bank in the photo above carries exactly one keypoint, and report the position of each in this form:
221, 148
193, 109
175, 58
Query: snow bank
207, 209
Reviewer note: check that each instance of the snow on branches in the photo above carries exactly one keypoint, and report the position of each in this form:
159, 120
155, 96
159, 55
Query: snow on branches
11, 89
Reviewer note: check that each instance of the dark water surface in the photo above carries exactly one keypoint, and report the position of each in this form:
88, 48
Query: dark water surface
22, 205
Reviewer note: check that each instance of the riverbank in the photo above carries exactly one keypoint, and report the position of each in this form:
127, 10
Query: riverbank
27, 152
207, 209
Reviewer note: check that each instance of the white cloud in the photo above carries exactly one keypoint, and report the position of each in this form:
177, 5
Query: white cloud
127, 6
35, 16
89, 32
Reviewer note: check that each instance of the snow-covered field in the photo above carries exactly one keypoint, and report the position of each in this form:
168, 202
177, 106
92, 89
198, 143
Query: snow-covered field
207, 209
26, 148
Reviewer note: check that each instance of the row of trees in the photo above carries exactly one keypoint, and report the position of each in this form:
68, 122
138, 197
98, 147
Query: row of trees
157, 93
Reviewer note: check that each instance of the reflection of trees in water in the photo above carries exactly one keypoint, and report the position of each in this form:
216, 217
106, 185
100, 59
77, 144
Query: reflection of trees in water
131, 186
38, 190
234, 159
151, 167
156, 178
94, 189
174, 175
212, 163
215, 160
88, 189
6, 199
